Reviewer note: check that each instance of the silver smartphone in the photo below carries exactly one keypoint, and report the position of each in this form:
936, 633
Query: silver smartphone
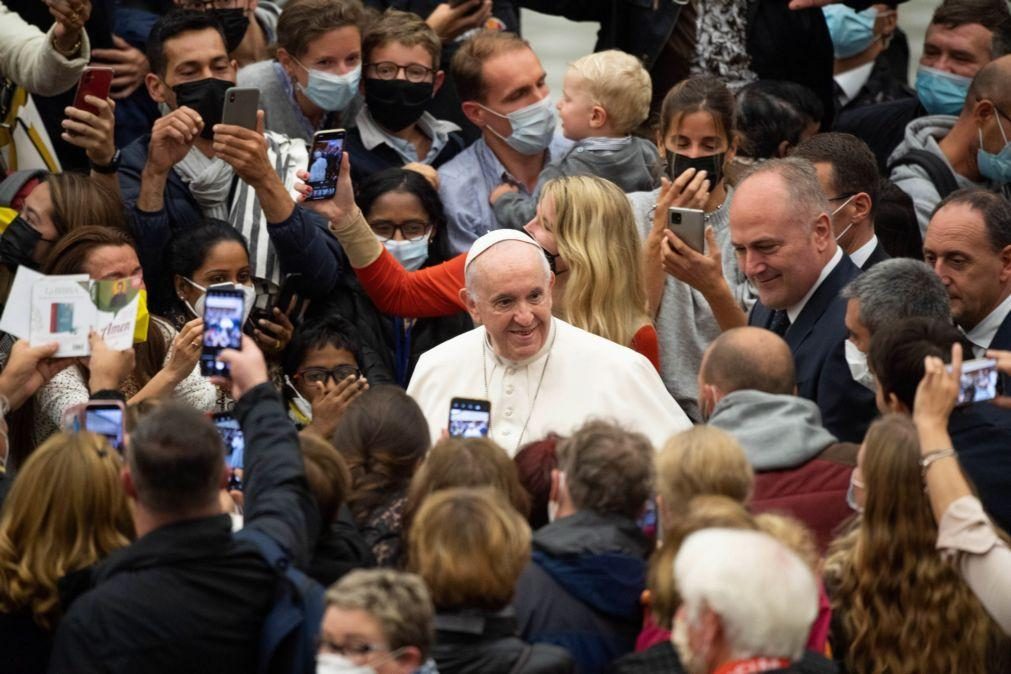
240, 107
690, 226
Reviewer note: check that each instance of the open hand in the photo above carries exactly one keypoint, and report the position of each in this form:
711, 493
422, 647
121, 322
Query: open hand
341, 209
28, 369
172, 136
450, 22
245, 150
93, 133
274, 336
186, 348
129, 66
330, 402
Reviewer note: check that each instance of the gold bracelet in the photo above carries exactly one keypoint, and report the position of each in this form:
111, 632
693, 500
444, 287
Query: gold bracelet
73, 51
936, 455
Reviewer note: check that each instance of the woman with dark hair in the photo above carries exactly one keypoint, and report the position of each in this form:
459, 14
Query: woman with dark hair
406, 215
216, 254
774, 117
165, 363
383, 435
322, 373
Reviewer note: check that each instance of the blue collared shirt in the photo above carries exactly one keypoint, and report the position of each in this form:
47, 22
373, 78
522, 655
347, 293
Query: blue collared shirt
373, 135
465, 183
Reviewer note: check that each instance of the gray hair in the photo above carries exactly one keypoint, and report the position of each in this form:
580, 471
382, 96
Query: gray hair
897, 289
800, 179
471, 272
765, 596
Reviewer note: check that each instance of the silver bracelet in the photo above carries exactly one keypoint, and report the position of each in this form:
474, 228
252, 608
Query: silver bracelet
936, 455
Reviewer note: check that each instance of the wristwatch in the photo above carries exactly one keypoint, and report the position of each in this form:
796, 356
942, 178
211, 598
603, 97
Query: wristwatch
111, 167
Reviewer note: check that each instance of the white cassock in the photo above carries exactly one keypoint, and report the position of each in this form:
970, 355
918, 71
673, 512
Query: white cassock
575, 377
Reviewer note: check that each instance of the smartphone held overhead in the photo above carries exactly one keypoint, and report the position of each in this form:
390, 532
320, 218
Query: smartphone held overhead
979, 382
325, 163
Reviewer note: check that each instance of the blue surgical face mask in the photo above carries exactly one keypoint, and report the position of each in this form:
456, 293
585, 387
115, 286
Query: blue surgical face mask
995, 167
852, 32
533, 126
330, 92
410, 254
941, 93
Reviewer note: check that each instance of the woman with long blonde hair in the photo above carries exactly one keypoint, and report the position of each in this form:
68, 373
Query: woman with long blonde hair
587, 229
65, 511
897, 605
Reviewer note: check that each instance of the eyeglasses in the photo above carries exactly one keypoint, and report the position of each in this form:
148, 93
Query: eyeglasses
412, 230
320, 375
388, 70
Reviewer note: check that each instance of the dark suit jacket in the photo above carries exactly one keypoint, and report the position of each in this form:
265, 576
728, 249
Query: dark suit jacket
878, 255
817, 341
1002, 341
981, 434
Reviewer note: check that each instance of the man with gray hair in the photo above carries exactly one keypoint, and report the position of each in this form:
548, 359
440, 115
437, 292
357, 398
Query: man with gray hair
892, 290
748, 603
781, 231
539, 373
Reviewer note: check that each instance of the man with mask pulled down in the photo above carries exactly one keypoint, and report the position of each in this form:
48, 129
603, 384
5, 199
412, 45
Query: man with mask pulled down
505, 94
401, 78
973, 148
192, 167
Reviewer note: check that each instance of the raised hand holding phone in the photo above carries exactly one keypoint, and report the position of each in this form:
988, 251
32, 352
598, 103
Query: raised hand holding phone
222, 328
247, 366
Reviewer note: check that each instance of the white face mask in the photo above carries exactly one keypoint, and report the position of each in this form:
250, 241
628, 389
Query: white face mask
303, 406
332, 663
859, 370
851, 493
533, 126
248, 299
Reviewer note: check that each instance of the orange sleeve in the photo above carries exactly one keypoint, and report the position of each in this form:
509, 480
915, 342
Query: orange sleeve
646, 343
426, 293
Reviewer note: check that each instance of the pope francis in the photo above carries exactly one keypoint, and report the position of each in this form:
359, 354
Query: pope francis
539, 373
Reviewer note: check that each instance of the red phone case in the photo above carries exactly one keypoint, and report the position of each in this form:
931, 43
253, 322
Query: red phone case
95, 81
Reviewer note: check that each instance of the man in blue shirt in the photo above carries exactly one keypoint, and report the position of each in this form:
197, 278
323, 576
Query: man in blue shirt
502, 85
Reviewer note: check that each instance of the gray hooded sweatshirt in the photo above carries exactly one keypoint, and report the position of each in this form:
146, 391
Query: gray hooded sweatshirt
777, 432
923, 133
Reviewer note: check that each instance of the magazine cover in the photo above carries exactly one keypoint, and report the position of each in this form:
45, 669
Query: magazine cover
116, 304
63, 312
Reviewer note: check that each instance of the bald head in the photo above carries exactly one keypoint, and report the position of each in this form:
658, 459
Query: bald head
993, 83
748, 359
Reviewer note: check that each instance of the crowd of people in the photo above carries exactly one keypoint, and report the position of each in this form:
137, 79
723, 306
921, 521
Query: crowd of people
701, 364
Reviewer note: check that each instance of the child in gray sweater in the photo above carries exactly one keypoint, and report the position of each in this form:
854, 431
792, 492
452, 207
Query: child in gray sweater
604, 97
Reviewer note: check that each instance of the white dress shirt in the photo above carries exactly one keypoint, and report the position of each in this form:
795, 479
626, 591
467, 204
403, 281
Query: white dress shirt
852, 81
986, 329
794, 311
860, 255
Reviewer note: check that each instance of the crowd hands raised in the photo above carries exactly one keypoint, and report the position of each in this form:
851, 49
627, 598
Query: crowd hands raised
728, 319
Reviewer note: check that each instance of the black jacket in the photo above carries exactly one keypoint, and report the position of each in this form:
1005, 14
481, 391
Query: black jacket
582, 589
881, 126
817, 339
663, 659
981, 434
478, 642
340, 549
382, 156
188, 597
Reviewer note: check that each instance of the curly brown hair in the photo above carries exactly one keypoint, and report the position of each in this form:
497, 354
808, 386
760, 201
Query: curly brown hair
897, 603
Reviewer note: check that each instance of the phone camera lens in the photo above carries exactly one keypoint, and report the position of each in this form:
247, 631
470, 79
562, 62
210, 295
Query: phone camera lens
675, 218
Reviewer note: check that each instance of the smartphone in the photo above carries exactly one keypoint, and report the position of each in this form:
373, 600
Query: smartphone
240, 107
469, 418
325, 163
979, 381
690, 226
95, 81
105, 417
223, 314
235, 446
294, 286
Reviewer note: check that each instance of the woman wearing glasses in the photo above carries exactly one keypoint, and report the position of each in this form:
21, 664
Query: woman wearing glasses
401, 78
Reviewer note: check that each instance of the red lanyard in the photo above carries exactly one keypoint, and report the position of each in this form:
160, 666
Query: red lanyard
752, 665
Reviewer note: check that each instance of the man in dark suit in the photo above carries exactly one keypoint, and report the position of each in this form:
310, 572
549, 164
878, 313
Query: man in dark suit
980, 431
849, 178
782, 232
968, 244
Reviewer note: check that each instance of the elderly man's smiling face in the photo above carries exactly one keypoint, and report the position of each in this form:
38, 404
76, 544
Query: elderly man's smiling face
509, 292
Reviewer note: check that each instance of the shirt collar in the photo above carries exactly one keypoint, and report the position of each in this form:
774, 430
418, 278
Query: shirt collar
794, 311
984, 331
604, 143
852, 81
373, 135
861, 254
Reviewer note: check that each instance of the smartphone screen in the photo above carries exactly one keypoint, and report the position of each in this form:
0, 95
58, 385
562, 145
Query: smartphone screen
106, 420
222, 328
235, 445
95, 81
325, 163
469, 418
979, 381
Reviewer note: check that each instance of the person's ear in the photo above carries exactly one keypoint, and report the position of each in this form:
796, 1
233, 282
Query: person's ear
598, 117
1005, 264
234, 65
862, 206
822, 231
470, 302
409, 659
474, 113
440, 79
982, 111
783, 149
180, 286
896, 405
157, 89
731, 153
660, 146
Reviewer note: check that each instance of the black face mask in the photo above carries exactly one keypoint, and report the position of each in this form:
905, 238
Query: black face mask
396, 104
207, 97
712, 164
17, 245
235, 23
